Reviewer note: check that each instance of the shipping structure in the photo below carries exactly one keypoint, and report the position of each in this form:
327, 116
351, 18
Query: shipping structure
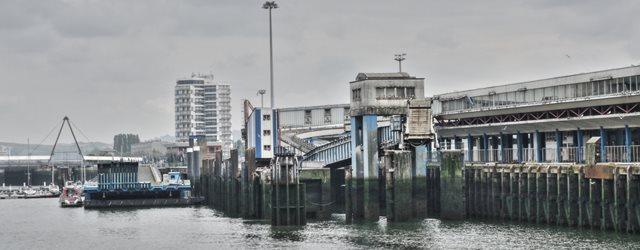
128, 184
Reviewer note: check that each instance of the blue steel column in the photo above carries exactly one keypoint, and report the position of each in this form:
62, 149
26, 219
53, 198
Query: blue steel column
370, 163
356, 208
579, 152
469, 148
627, 142
485, 147
558, 146
501, 148
519, 146
603, 145
428, 151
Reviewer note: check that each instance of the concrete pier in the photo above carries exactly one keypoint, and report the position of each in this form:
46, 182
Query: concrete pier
452, 185
602, 196
399, 185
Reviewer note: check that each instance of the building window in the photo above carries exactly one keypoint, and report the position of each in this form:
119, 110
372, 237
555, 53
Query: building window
355, 95
267, 147
327, 116
266, 132
307, 117
266, 117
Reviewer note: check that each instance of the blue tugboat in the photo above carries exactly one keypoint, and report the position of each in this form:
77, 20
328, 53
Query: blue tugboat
126, 184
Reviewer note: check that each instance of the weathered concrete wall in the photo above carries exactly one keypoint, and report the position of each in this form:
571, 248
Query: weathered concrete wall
452, 186
399, 186
319, 203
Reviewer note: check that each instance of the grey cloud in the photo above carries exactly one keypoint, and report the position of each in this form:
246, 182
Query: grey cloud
107, 61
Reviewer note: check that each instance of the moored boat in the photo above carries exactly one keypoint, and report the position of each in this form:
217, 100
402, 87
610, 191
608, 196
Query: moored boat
71, 195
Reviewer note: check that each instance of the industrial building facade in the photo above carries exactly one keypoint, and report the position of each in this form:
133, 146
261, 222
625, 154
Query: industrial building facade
203, 107
547, 120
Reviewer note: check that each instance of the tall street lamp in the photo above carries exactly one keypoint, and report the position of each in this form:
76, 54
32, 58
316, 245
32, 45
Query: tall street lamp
261, 93
399, 58
269, 5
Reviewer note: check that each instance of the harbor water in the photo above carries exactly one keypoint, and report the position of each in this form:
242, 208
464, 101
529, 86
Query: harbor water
42, 224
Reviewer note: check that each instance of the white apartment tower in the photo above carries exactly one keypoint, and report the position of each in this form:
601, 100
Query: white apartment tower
203, 108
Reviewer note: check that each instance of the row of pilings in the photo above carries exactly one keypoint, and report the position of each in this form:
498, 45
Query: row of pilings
263, 190
600, 196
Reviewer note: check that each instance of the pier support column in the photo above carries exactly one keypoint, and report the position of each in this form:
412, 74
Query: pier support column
452, 198
632, 201
607, 204
583, 198
398, 165
364, 141
619, 200
419, 182
603, 144
595, 206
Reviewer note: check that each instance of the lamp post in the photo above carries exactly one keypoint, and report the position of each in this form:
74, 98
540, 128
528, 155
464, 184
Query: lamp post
269, 5
261, 93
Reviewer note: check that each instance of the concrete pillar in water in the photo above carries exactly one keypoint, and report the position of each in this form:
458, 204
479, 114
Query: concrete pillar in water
551, 201
632, 200
583, 198
607, 204
573, 198
452, 198
419, 182
364, 140
541, 196
595, 206
619, 200
561, 218
398, 165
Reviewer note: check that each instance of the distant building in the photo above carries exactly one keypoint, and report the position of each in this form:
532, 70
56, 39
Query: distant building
203, 107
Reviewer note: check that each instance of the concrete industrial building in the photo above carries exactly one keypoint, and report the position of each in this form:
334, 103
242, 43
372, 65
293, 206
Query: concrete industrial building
203, 108
546, 120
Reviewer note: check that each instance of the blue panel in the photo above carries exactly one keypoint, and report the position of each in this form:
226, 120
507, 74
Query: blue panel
354, 142
519, 146
558, 146
469, 148
370, 145
627, 142
274, 129
580, 145
603, 145
257, 134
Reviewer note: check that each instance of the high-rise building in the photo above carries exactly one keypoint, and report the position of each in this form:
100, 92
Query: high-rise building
203, 107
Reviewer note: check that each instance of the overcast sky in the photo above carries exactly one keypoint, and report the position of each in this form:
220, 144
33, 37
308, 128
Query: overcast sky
112, 65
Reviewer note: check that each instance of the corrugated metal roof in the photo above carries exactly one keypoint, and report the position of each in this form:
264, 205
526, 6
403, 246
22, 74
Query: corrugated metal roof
380, 76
